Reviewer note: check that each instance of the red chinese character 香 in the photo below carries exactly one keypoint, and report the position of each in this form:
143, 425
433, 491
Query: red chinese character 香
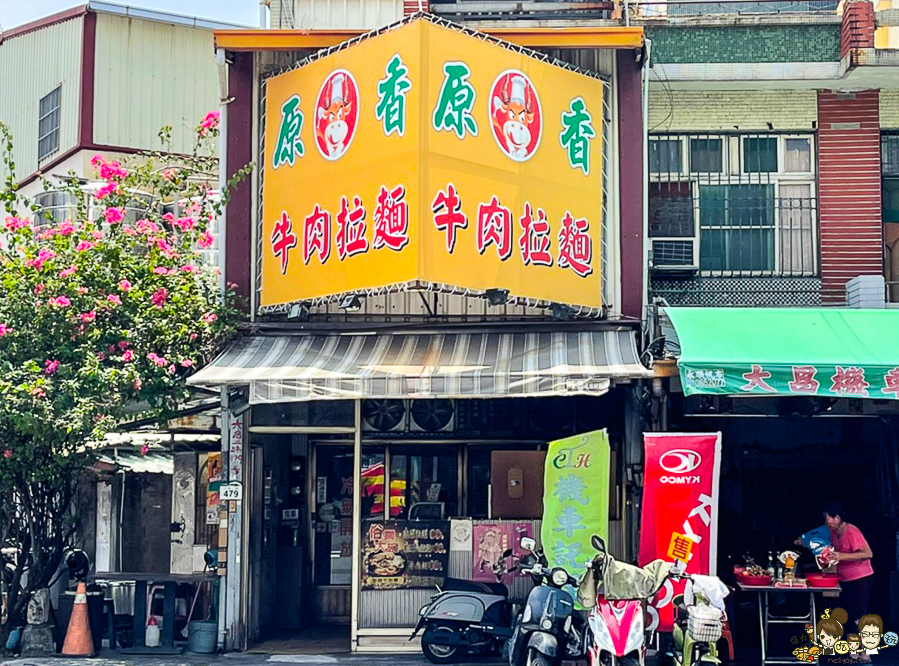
535, 241
448, 217
891, 382
495, 228
283, 240
350, 239
391, 219
575, 248
317, 235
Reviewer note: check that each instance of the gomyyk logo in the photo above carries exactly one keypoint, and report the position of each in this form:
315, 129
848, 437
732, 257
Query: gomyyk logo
678, 462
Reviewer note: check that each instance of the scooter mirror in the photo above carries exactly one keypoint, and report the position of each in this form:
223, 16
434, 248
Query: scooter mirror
507, 553
528, 544
527, 561
598, 543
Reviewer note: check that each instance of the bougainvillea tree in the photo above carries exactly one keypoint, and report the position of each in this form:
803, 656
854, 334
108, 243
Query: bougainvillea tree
106, 308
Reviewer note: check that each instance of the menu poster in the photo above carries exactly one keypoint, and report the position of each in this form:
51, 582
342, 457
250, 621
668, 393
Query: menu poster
400, 554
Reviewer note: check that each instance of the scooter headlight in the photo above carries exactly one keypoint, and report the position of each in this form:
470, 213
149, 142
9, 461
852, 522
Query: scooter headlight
547, 624
559, 577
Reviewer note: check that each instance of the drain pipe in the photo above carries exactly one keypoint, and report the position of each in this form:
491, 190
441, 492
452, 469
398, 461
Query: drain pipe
647, 246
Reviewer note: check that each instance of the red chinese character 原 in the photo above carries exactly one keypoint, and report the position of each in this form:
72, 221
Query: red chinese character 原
391, 219
283, 240
535, 241
448, 217
804, 379
575, 248
317, 235
850, 381
350, 239
755, 378
495, 228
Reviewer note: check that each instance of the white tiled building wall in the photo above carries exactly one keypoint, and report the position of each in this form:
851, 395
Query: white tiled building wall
730, 110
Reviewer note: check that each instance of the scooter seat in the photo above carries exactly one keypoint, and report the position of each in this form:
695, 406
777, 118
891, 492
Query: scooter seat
460, 585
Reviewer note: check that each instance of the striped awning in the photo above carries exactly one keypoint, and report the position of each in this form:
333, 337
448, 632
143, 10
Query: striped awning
435, 365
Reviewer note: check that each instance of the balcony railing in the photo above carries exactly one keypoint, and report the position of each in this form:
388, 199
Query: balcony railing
733, 205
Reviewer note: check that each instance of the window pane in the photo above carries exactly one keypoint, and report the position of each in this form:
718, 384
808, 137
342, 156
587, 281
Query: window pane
737, 227
889, 147
798, 157
48, 125
665, 155
672, 253
423, 476
671, 210
797, 230
760, 155
891, 199
705, 155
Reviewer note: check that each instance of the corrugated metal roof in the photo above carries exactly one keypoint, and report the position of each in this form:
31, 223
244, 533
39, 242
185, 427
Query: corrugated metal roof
151, 463
163, 17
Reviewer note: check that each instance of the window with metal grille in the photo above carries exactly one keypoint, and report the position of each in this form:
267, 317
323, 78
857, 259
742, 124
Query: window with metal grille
48, 124
733, 204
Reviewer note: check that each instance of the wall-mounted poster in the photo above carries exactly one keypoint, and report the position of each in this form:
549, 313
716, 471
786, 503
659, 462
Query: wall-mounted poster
489, 542
405, 554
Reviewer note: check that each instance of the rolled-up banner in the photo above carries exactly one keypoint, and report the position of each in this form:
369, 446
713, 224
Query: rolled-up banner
680, 500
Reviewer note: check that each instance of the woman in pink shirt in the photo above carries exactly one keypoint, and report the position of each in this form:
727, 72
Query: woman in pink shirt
853, 558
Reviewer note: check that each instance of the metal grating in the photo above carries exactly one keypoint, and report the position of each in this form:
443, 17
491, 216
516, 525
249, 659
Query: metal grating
738, 292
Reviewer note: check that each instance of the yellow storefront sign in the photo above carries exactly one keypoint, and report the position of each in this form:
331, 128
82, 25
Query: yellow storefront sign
428, 157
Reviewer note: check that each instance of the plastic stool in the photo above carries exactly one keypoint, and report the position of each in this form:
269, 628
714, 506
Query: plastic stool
729, 637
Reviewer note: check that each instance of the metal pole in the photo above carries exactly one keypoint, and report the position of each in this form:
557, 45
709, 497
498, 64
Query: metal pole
357, 525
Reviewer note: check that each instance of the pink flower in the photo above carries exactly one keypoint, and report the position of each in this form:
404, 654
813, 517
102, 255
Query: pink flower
124, 285
163, 246
66, 228
97, 234
84, 246
68, 271
13, 223
210, 317
193, 336
168, 174
43, 256
185, 223
137, 384
206, 239
187, 363
123, 344
161, 361
210, 122
128, 356
106, 190
159, 297
114, 215
108, 170
88, 316
38, 288
38, 392
60, 301
7, 453
144, 449
101, 356
131, 231
82, 290
188, 268
114, 299
161, 270
147, 227
4, 329
172, 369
50, 366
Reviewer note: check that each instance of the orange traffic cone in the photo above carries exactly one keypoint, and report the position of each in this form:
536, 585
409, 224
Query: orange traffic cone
79, 642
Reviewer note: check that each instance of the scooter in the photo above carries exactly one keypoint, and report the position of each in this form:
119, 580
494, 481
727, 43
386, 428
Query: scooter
548, 630
698, 623
465, 618
620, 593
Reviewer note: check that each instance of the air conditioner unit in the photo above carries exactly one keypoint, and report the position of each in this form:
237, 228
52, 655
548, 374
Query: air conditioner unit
384, 415
675, 254
432, 416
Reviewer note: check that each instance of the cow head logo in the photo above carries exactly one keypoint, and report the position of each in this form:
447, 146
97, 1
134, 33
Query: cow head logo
680, 461
336, 114
516, 116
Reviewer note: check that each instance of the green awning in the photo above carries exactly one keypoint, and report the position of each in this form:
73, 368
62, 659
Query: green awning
836, 353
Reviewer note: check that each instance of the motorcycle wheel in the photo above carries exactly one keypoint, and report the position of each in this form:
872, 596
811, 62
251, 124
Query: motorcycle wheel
627, 660
537, 658
441, 654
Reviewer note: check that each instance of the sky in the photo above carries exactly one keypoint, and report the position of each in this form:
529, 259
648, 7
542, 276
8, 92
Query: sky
17, 12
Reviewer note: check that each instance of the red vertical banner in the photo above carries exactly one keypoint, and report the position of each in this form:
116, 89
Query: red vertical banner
680, 497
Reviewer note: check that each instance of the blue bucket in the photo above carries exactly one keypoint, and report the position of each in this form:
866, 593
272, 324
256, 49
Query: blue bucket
202, 637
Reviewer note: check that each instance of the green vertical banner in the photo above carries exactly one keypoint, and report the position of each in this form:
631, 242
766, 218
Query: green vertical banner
575, 499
